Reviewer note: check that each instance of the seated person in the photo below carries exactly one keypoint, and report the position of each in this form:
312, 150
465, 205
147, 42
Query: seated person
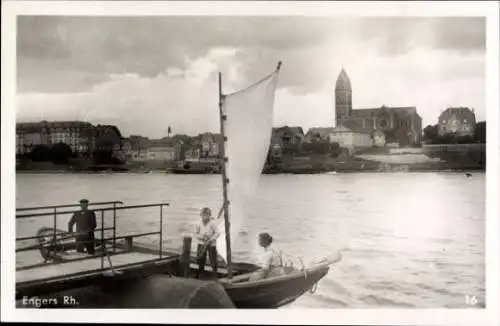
272, 260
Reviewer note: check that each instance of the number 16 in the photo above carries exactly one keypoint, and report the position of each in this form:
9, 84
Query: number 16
470, 300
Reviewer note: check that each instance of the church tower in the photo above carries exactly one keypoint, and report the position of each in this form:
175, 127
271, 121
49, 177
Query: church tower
343, 98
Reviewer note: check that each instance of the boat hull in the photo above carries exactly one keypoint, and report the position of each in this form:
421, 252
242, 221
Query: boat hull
266, 293
277, 291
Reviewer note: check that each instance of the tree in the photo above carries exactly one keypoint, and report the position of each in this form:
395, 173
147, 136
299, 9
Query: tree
186, 140
314, 147
335, 149
320, 147
390, 135
465, 139
480, 132
103, 154
41, 153
61, 153
448, 138
431, 133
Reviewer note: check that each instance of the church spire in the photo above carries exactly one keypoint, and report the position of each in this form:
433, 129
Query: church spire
343, 81
343, 97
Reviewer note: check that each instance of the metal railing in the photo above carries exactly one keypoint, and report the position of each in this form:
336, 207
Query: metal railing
103, 240
36, 208
55, 213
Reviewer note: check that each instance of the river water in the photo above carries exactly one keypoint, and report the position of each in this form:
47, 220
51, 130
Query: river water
408, 239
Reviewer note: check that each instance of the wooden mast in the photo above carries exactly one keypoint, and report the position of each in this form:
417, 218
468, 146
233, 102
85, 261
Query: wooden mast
225, 180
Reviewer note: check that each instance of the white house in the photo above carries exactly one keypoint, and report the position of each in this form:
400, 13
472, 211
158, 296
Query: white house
349, 138
164, 150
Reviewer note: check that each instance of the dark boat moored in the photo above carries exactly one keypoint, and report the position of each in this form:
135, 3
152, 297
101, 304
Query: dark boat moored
191, 171
195, 167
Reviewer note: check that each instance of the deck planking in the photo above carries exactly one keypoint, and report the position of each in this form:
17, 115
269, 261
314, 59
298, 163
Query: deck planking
30, 258
54, 270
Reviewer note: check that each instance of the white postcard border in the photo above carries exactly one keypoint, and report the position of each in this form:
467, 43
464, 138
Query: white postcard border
422, 317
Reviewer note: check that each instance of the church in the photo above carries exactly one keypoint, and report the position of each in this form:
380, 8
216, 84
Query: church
401, 125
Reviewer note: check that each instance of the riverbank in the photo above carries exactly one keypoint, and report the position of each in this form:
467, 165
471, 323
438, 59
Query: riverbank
289, 165
352, 164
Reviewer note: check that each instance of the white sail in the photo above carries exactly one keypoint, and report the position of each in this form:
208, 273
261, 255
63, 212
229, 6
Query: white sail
248, 128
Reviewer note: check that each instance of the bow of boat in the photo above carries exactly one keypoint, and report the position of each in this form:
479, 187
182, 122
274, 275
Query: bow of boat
273, 292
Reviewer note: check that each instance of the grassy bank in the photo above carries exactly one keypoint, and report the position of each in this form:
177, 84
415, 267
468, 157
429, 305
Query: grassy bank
325, 163
312, 164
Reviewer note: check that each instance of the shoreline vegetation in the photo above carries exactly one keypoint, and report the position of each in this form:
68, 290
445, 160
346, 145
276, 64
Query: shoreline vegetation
311, 164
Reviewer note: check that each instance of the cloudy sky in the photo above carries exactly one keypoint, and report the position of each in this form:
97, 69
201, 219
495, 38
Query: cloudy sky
145, 73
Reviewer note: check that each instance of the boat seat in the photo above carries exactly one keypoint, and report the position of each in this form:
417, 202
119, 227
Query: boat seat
235, 279
208, 268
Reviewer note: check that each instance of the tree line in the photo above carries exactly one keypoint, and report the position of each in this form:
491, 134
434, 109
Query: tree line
61, 153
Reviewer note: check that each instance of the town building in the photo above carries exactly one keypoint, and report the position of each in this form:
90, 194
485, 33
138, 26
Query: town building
127, 149
287, 138
76, 134
458, 120
318, 134
206, 146
350, 138
400, 124
210, 145
144, 149
139, 148
107, 138
275, 151
347, 135
165, 149
193, 152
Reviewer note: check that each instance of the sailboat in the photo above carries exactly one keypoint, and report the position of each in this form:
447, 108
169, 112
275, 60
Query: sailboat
246, 124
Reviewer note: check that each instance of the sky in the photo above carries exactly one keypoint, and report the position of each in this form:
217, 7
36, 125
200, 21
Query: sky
144, 74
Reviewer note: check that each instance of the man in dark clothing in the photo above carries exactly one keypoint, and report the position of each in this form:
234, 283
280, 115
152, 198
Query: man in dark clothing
85, 225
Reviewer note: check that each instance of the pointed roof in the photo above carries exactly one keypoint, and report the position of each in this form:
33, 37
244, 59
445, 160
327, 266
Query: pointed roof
343, 81
405, 109
372, 112
321, 132
364, 113
296, 130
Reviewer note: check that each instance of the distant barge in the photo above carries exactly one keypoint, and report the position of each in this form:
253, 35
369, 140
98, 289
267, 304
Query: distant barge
196, 167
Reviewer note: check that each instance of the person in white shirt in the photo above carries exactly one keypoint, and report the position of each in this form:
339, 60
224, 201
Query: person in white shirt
206, 234
272, 260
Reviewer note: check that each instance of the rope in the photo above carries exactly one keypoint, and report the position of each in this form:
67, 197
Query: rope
314, 288
303, 267
254, 84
